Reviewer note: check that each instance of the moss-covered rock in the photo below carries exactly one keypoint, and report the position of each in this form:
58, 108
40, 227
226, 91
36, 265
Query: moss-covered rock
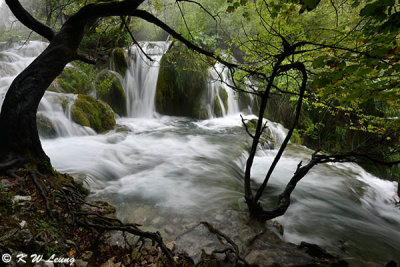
118, 61
224, 97
182, 83
109, 89
245, 102
45, 127
217, 107
266, 140
89, 112
73, 80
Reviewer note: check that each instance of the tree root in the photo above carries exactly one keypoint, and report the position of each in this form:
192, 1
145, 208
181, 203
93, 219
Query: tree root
10, 163
42, 193
55, 193
233, 247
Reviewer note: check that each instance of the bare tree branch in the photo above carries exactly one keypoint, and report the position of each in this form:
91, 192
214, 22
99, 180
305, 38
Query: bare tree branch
134, 40
29, 21
246, 127
299, 66
85, 59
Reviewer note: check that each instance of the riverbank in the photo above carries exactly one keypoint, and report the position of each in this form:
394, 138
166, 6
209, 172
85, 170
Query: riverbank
29, 227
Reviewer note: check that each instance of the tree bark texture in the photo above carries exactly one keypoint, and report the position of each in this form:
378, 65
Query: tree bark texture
19, 138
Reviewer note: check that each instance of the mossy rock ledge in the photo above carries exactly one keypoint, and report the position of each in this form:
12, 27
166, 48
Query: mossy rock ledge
45, 127
110, 90
182, 84
223, 95
92, 113
266, 140
72, 81
118, 61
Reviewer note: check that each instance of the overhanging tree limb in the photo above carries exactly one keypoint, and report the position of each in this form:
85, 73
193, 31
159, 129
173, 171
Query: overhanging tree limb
29, 21
152, 19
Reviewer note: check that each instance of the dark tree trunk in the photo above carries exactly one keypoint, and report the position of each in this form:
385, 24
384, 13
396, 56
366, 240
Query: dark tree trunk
19, 139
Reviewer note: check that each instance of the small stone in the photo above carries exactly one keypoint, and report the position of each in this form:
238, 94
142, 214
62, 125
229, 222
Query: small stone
150, 259
5, 183
109, 263
126, 260
20, 199
48, 264
168, 230
26, 236
87, 255
219, 217
136, 255
278, 226
81, 263
22, 224
153, 251
170, 245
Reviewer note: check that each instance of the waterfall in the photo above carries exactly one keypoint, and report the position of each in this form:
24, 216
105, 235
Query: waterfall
219, 86
140, 83
141, 77
54, 108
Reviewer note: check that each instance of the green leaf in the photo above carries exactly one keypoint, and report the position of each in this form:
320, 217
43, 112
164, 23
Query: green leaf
310, 4
319, 62
230, 9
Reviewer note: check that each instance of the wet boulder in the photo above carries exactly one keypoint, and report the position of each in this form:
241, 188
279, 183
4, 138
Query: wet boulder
72, 80
247, 102
266, 140
118, 61
110, 90
45, 127
221, 101
92, 113
182, 84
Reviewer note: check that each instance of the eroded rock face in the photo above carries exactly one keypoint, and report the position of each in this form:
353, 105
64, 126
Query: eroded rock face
89, 112
110, 90
182, 84
266, 140
45, 127
118, 61
72, 80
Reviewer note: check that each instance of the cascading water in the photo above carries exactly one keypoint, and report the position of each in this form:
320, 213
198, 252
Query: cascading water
219, 87
140, 82
54, 107
169, 173
141, 78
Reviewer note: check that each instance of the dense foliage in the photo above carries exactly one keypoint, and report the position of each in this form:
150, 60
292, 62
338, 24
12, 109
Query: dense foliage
327, 69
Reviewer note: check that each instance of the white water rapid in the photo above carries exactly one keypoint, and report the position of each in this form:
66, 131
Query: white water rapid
169, 173
54, 107
219, 82
141, 78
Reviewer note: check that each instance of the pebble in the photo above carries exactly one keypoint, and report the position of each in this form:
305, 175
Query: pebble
17, 199
170, 245
5, 183
87, 255
22, 224
81, 263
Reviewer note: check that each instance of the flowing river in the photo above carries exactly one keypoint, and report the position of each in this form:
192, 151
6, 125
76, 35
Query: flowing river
169, 173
